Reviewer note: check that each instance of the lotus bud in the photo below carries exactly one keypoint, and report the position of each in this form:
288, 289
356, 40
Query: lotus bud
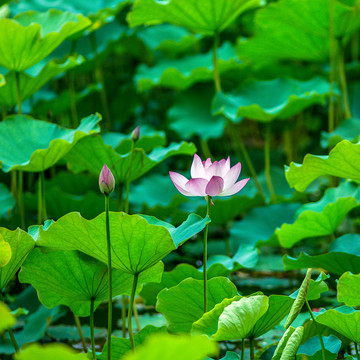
135, 134
106, 181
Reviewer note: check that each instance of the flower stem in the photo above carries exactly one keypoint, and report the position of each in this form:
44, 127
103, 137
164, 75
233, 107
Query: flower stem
123, 314
317, 330
242, 349
20, 195
131, 303
332, 55
208, 199
42, 215
344, 92
13, 340
136, 314
252, 349
108, 245
268, 165
217, 80
92, 330
128, 178
81, 334
18, 92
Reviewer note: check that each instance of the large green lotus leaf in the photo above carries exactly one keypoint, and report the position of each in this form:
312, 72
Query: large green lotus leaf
2, 80
49, 352
316, 287
348, 289
5, 252
209, 18
72, 278
31, 36
193, 106
321, 217
183, 304
34, 145
169, 39
121, 346
7, 201
21, 243
344, 320
269, 100
265, 225
238, 318
180, 74
169, 347
343, 255
312, 348
342, 161
349, 129
34, 78
285, 30
148, 141
136, 244
7, 319
92, 153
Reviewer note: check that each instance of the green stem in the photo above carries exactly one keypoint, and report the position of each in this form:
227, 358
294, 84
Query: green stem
71, 79
42, 214
208, 200
108, 245
357, 351
92, 330
317, 330
4, 112
242, 349
18, 92
332, 55
131, 303
205, 148
217, 80
20, 195
268, 165
128, 179
123, 315
252, 349
343, 84
81, 334
13, 340
99, 76
137, 320
240, 148
288, 145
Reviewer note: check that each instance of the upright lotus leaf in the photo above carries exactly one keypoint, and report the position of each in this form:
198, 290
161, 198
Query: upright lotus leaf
243, 231
285, 30
121, 346
344, 320
7, 201
321, 217
282, 343
343, 255
73, 279
312, 348
5, 252
180, 74
292, 344
136, 244
91, 154
182, 305
348, 289
349, 129
43, 31
33, 145
21, 243
238, 319
209, 18
194, 105
169, 347
7, 319
316, 287
34, 78
343, 161
300, 300
272, 99
49, 352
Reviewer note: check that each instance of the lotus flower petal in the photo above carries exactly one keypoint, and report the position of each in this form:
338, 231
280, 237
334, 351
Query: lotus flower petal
179, 182
197, 168
207, 163
235, 188
231, 176
214, 186
196, 186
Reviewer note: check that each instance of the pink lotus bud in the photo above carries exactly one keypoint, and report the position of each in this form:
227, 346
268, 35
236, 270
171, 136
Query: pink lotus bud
106, 180
135, 134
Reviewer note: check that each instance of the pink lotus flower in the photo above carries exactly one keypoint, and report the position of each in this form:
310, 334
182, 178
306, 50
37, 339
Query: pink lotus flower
106, 181
210, 178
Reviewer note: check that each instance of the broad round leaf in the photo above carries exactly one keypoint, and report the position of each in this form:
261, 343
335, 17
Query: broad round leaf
5, 252
209, 18
33, 145
348, 289
183, 304
44, 31
7, 319
21, 243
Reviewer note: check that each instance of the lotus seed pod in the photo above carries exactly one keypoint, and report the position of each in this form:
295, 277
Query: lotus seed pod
106, 181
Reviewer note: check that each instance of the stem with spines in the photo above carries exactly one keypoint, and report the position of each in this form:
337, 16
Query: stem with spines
208, 199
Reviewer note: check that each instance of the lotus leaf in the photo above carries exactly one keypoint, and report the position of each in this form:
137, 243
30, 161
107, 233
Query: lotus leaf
348, 289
